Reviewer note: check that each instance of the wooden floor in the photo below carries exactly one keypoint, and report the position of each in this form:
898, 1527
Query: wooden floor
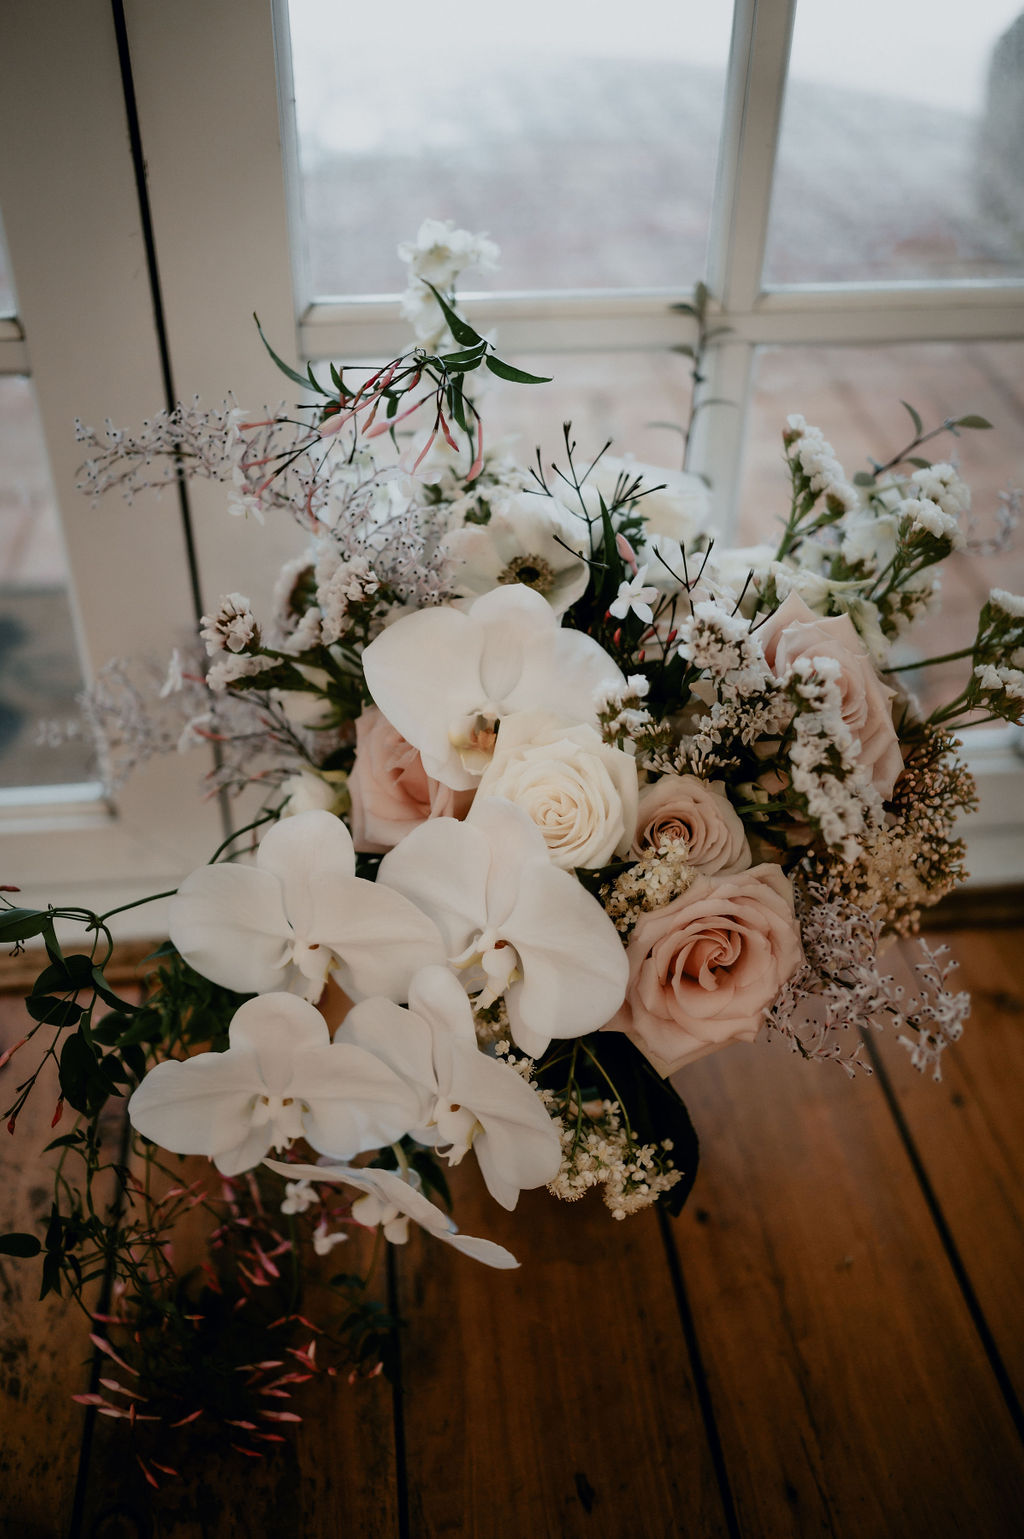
827, 1342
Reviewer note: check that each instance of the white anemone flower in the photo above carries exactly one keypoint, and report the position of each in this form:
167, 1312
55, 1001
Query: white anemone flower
474, 1101
513, 924
394, 1197
445, 677
530, 539
299, 914
281, 1078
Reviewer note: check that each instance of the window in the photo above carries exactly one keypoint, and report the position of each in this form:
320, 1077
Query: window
656, 154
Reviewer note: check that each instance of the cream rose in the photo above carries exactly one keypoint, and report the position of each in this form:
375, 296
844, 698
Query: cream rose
683, 807
703, 968
391, 791
580, 791
795, 631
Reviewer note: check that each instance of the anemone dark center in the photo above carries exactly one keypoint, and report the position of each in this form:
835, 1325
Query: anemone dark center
532, 571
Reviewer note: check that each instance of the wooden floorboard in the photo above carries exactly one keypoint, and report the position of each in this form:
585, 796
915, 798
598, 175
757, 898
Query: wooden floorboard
45, 1354
825, 1339
557, 1400
850, 1388
968, 1132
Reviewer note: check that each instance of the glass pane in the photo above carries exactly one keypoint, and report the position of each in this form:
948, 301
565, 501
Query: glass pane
900, 149
40, 675
853, 395
583, 141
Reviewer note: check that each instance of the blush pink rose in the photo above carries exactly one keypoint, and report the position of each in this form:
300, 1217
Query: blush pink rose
795, 631
684, 807
703, 968
391, 791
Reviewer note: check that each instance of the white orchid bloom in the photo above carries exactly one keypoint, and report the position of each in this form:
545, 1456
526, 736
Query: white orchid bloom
281, 1078
530, 539
299, 914
513, 923
395, 1197
474, 1101
445, 677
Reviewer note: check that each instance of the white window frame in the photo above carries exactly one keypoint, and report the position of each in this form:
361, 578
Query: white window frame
223, 188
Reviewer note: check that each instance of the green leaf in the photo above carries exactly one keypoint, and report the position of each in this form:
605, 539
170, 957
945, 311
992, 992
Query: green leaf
973, 421
465, 360
70, 973
682, 347
108, 1031
461, 330
455, 403
517, 376
79, 1070
915, 459
315, 382
21, 923
52, 1012
107, 994
66, 1141
863, 478
19, 1245
915, 417
293, 374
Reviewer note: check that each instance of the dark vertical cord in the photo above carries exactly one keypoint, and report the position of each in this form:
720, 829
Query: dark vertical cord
152, 267
156, 296
949, 1245
700, 1379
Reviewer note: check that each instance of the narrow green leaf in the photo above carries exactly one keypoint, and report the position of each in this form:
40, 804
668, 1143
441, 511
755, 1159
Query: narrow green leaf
461, 330
467, 359
915, 417
315, 382
517, 376
107, 994
973, 421
19, 1245
863, 478
293, 374
915, 459
684, 348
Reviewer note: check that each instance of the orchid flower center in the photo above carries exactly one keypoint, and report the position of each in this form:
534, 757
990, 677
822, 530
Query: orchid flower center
498, 960
474, 737
284, 1114
313, 960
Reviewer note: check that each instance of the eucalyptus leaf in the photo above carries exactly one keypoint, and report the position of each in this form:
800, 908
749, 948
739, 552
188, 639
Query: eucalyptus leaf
973, 421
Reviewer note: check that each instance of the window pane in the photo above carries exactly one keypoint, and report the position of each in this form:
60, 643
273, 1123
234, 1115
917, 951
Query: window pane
40, 675
900, 149
853, 395
583, 141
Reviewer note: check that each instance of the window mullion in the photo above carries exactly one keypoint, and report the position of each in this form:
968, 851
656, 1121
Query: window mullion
759, 58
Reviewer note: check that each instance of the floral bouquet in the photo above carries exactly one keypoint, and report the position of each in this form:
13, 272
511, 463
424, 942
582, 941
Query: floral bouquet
556, 797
